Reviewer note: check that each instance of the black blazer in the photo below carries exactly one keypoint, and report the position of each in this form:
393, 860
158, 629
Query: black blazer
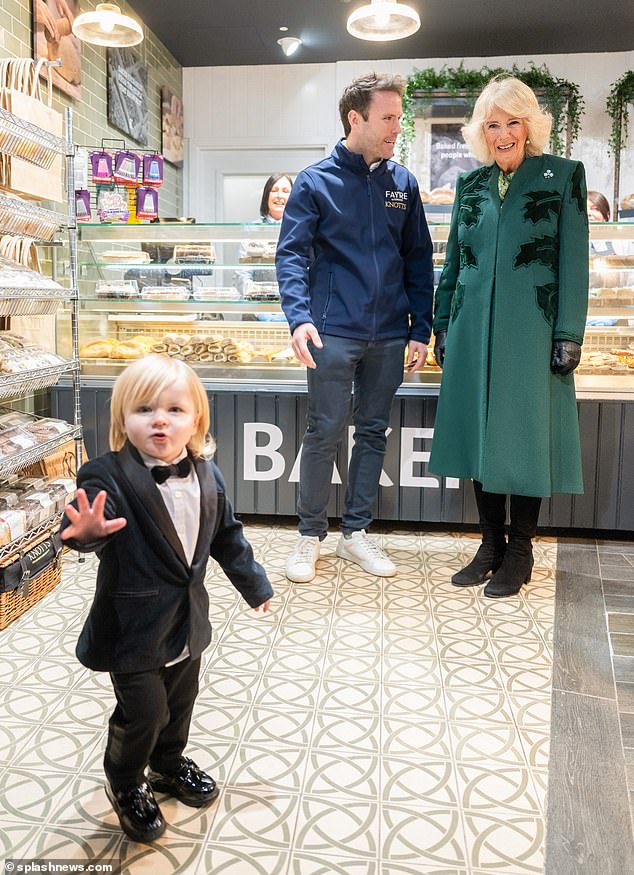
149, 602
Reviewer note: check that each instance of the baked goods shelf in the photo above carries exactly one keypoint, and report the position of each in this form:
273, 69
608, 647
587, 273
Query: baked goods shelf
17, 461
177, 233
148, 306
174, 267
615, 330
22, 139
26, 219
44, 528
12, 385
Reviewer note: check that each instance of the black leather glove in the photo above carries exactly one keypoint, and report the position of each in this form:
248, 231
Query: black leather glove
565, 357
439, 348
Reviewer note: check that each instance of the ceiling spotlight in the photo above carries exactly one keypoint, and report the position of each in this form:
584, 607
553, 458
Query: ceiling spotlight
382, 21
107, 26
289, 44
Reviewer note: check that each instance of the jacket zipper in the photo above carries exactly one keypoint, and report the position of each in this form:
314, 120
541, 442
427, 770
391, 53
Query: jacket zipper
374, 258
327, 304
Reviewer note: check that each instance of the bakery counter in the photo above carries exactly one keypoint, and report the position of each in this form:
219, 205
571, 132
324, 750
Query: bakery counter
258, 418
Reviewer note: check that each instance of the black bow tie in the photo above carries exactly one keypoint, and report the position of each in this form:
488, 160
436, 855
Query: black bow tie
180, 469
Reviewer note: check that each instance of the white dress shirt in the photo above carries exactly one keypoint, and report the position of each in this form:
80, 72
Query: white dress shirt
181, 496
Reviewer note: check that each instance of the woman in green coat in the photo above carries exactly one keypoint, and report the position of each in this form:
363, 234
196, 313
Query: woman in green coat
509, 318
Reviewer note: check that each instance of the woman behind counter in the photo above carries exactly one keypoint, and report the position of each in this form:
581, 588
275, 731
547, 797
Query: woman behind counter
274, 196
509, 318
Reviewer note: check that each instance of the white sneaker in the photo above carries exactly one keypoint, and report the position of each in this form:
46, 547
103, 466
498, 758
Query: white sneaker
300, 565
365, 552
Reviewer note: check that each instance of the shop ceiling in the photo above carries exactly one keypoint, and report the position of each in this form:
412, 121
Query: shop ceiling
202, 33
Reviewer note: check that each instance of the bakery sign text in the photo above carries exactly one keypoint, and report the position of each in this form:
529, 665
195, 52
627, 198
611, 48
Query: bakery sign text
265, 457
397, 200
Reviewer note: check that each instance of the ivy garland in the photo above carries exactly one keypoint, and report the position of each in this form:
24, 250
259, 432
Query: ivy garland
562, 98
621, 94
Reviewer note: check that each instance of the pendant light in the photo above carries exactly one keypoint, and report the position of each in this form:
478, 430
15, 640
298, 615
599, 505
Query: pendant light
383, 20
107, 26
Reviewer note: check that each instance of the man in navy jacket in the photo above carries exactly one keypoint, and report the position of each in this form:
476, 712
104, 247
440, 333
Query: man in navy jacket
354, 266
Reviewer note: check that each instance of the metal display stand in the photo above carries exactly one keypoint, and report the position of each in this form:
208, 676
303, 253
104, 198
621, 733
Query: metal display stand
17, 217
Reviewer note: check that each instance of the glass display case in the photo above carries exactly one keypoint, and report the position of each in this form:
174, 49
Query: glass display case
207, 293
607, 362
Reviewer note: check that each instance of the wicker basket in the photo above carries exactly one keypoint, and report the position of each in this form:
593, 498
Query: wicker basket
18, 600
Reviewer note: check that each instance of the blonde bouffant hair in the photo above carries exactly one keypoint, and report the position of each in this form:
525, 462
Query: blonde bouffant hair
142, 382
516, 98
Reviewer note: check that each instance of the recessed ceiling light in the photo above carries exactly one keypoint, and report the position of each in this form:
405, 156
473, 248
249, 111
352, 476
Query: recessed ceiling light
289, 44
283, 28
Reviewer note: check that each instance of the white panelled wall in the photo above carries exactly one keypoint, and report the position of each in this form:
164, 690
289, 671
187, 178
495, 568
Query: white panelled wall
293, 108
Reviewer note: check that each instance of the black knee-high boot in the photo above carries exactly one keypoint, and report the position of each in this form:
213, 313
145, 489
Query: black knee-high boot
517, 565
492, 512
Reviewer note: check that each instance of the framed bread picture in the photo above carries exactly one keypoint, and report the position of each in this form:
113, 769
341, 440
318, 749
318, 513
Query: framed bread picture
172, 127
53, 38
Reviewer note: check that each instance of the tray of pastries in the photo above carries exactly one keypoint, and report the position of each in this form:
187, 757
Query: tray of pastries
216, 293
194, 253
170, 292
254, 251
126, 256
262, 291
117, 289
18, 355
109, 348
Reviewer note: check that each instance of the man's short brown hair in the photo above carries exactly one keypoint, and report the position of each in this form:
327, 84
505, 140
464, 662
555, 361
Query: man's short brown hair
359, 93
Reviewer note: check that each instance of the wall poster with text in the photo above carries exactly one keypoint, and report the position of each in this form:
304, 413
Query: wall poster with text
449, 155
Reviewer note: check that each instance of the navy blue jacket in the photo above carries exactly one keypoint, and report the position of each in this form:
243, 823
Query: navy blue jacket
354, 255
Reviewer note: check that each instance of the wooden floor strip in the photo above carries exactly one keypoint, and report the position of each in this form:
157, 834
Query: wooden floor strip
588, 822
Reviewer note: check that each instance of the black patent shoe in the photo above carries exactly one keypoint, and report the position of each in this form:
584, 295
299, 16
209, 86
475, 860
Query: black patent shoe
138, 812
488, 559
514, 572
188, 783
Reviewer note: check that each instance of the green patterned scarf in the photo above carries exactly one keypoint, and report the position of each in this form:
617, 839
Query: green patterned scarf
504, 180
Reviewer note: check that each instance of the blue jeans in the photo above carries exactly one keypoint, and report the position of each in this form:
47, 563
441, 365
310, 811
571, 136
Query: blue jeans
375, 371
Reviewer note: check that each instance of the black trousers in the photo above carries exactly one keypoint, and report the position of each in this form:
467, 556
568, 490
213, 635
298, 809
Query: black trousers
150, 724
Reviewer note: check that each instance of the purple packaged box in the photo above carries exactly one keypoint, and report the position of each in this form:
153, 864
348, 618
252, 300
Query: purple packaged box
126, 167
153, 170
101, 163
82, 205
146, 202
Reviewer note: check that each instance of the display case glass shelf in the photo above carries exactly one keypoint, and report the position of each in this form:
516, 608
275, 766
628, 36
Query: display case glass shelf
207, 293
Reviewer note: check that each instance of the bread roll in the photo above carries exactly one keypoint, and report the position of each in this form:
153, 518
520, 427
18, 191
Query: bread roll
97, 349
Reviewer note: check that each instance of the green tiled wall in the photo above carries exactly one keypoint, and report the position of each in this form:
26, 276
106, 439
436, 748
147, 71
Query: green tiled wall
90, 120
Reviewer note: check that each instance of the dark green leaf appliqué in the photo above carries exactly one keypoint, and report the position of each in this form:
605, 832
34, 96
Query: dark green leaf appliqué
467, 256
472, 194
578, 191
539, 205
457, 300
547, 301
542, 249
471, 209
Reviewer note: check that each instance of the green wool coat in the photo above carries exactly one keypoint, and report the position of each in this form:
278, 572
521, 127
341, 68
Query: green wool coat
515, 279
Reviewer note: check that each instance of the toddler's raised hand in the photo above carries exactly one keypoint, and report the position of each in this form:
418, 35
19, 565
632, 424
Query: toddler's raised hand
89, 523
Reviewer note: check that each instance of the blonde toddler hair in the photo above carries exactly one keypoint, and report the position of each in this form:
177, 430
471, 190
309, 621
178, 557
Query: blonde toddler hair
142, 382
516, 98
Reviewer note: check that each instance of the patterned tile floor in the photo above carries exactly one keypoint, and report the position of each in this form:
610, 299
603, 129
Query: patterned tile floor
362, 727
